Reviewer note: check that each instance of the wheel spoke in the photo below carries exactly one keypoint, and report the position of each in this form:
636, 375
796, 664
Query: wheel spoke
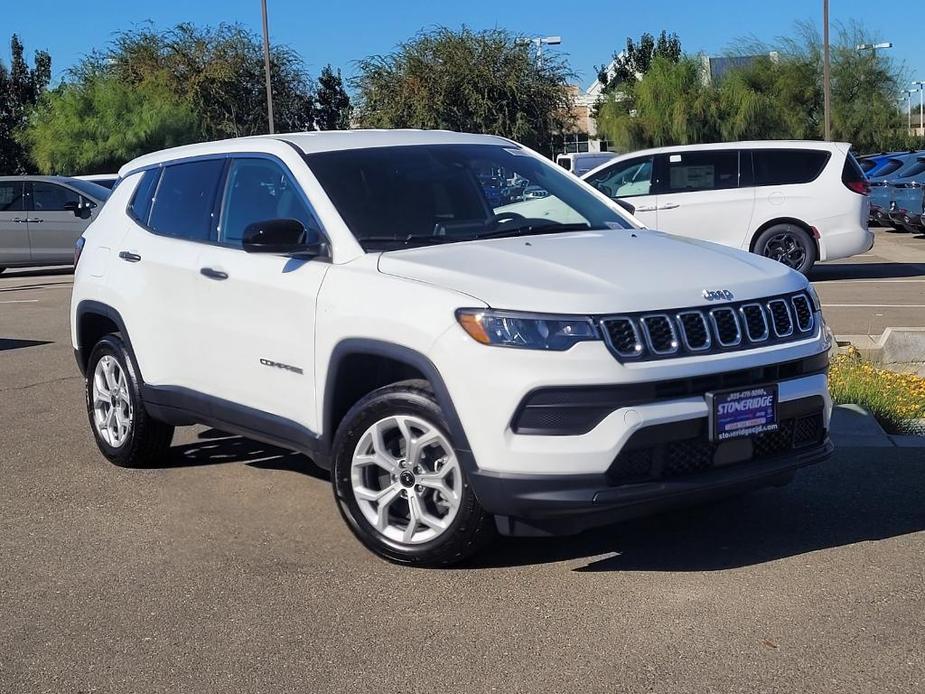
417, 445
414, 516
438, 484
382, 510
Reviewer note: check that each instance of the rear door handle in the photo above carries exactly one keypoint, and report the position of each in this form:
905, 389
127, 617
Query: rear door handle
129, 257
35, 220
213, 274
669, 206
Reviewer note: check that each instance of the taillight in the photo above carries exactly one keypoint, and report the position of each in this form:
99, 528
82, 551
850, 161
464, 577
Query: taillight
859, 187
78, 249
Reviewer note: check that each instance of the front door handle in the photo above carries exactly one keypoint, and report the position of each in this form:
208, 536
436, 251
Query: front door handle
34, 220
669, 206
213, 274
646, 208
129, 257
19, 220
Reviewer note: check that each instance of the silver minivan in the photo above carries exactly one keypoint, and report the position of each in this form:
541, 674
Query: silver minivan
41, 218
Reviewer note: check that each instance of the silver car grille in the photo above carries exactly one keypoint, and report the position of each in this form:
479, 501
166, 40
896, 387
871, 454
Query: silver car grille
686, 332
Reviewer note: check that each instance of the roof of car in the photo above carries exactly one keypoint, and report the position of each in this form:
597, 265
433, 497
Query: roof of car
753, 144
30, 177
320, 141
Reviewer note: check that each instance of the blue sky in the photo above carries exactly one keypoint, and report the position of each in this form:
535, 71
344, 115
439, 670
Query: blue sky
342, 32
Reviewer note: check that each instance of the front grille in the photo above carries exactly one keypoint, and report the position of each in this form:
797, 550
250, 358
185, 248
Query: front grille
695, 453
734, 326
660, 334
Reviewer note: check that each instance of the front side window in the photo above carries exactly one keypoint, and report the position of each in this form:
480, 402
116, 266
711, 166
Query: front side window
258, 190
776, 167
11, 196
704, 170
184, 200
419, 194
48, 197
625, 179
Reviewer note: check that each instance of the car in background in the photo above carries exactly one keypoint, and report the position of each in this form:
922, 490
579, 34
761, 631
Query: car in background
105, 180
41, 218
580, 163
900, 166
906, 194
882, 164
794, 201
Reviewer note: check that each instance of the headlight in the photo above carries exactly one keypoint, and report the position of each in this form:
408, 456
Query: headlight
814, 297
525, 330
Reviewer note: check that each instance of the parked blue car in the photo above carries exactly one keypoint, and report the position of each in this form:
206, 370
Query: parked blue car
900, 166
906, 195
881, 164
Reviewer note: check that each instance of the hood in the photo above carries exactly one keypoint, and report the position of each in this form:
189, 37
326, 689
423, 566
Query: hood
592, 272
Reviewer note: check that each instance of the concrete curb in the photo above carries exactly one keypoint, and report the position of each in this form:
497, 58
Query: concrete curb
854, 427
895, 347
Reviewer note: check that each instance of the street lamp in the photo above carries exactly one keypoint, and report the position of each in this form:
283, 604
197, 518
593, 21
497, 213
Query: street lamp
921, 85
873, 47
539, 42
266, 63
909, 93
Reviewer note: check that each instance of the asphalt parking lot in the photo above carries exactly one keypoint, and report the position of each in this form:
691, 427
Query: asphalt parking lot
228, 567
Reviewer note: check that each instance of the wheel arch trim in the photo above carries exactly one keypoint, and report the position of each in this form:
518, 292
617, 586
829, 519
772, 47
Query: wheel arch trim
82, 351
786, 220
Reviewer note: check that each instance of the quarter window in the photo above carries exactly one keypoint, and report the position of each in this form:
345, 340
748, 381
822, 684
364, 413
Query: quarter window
140, 206
184, 200
625, 179
258, 190
776, 167
705, 170
11, 196
48, 197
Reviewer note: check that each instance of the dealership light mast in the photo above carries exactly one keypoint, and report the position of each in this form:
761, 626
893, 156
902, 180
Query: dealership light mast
266, 64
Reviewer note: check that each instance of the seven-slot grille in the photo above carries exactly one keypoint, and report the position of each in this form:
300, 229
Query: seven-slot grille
733, 326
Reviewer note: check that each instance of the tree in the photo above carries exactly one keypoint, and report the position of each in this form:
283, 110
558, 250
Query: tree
483, 82
218, 71
635, 60
20, 89
98, 125
332, 105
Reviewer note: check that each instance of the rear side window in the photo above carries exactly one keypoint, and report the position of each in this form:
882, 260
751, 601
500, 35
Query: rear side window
777, 167
140, 207
706, 170
184, 200
11, 196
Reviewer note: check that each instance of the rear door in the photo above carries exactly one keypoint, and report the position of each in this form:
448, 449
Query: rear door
14, 232
58, 216
632, 180
706, 194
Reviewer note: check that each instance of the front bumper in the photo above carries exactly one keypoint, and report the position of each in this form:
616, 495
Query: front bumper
667, 466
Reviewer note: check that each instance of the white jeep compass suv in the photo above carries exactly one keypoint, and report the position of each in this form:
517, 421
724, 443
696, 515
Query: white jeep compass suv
463, 357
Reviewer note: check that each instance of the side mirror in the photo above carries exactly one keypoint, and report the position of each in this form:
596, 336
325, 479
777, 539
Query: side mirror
282, 237
79, 210
625, 205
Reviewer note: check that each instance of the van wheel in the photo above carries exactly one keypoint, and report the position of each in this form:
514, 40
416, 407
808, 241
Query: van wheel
787, 244
2, 269
123, 430
399, 484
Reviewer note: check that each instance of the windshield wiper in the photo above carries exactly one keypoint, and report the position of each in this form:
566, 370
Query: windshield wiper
525, 229
409, 240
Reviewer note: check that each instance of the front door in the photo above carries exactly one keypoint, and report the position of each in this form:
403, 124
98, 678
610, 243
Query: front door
58, 216
631, 180
14, 231
258, 310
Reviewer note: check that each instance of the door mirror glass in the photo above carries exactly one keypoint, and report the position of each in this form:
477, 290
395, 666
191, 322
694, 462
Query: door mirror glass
280, 236
80, 209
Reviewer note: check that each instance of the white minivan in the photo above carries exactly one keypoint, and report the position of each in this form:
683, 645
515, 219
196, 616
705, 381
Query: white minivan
794, 201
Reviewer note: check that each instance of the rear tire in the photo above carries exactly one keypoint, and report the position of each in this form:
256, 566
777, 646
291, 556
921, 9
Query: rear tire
399, 484
123, 430
787, 244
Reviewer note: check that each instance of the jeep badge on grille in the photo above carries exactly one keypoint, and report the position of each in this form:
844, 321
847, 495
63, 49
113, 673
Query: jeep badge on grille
717, 295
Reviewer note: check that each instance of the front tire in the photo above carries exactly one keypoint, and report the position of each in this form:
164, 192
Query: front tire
399, 484
123, 430
787, 244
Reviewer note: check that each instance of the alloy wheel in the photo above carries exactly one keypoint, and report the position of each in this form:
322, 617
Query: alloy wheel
786, 248
112, 406
406, 479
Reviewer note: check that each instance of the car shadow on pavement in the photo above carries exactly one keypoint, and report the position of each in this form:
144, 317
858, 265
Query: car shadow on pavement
861, 495
38, 272
861, 271
7, 343
215, 447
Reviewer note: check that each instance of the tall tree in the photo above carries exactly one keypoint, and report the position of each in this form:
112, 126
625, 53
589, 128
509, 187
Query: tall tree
98, 125
484, 82
20, 89
218, 71
332, 104
635, 60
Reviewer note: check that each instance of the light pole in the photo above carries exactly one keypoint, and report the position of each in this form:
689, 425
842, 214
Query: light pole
266, 64
873, 47
539, 42
826, 73
909, 93
921, 85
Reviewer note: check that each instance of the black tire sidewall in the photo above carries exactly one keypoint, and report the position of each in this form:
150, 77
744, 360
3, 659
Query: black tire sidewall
386, 402
113, 346
803, 238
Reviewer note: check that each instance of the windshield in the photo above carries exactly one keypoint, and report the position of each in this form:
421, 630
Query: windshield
424, 194
90, 189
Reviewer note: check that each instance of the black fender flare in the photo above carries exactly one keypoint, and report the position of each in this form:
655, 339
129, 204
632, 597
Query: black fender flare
82, 352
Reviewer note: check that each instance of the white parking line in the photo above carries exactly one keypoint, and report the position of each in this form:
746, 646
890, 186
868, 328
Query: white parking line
824, 305
836, 281
21, 301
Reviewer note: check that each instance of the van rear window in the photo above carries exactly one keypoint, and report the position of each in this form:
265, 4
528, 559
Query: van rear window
777, 167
